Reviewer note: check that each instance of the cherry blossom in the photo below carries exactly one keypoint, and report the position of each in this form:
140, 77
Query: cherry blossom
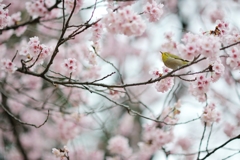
119, 145
218, 70
155, 72
200, 86
36, 8
125, 21
91, 79
97, 32
8, 66
233, 60
210, 114
155, 137
4, 17
35, 51
164, 84
70, 65
60, 153
153, 11
170, 114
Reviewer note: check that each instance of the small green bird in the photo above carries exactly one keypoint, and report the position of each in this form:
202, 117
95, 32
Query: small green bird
173, 61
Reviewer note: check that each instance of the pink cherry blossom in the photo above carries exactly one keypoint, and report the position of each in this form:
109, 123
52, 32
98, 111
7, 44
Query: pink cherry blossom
8, 66
36, 8
155, 72
97, 33
35, 51
200, 86
156, 137
125, 21
189, 51
170, 114
166, 83
209, 46
218, 70
15, 18
223, 27
153, 11
60, 153
70, 65
210, 114
4, 17
234, 58
119, 145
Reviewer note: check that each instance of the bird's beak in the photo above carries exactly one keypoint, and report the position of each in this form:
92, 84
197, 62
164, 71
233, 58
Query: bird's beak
161, 52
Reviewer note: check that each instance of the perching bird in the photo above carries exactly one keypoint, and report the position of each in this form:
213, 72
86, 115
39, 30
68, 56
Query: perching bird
173, 61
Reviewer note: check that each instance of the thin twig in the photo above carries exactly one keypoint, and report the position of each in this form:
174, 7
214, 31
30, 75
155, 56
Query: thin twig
24, 123
199, 148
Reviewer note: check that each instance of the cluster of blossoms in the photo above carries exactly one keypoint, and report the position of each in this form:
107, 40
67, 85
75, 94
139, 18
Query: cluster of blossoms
119, 145
8, 66
170, 45
125, 21
70, 4
14, 19
37, 8
4, 17
234, 58
155, 137
164, 84
153, 11
210, 114
35, 51
70, 65
194, 45
97, 32
170, 114
200, 87
218, 70
223, 28
60, 153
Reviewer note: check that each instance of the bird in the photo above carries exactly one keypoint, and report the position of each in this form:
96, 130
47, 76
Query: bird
173, 61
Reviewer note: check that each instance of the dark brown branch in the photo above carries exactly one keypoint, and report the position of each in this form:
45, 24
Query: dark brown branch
14, 56
7, 6
230, 45
60, 41
221, 146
